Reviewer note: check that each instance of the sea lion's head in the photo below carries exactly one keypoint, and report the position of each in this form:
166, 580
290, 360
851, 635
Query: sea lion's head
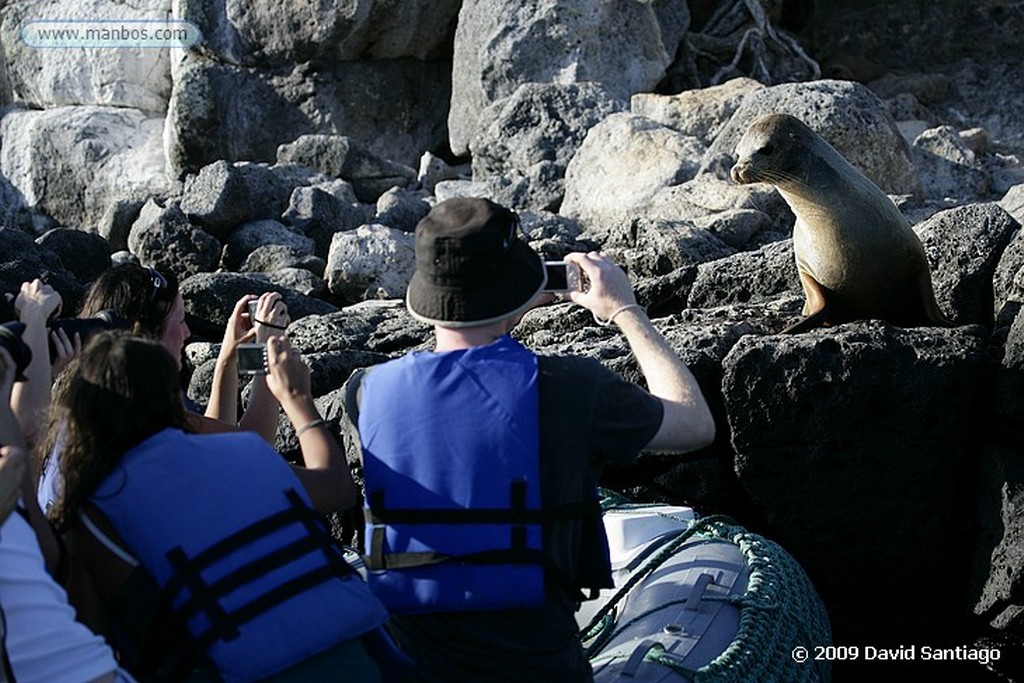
775, 150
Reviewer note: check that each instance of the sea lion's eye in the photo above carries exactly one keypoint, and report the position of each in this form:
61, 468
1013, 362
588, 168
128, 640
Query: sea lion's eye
767, 149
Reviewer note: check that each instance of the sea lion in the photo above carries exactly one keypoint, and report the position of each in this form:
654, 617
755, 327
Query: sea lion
857, 256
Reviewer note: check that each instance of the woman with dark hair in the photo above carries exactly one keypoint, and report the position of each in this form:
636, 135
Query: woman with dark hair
151, 303
201, 554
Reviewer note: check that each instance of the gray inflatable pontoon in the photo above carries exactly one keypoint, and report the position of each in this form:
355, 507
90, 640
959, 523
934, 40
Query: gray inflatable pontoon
700, 600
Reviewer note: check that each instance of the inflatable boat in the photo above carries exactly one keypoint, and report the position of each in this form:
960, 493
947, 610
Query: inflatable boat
700, 599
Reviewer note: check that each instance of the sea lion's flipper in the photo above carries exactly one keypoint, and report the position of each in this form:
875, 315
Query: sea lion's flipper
815, 307
807, 323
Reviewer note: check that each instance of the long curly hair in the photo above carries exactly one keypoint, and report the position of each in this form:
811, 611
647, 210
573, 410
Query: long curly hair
142, 296
124, 390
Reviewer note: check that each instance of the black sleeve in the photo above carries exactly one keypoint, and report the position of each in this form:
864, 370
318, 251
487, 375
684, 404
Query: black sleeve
587, 407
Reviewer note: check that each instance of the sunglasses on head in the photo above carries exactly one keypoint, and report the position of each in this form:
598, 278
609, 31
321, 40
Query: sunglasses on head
158, 283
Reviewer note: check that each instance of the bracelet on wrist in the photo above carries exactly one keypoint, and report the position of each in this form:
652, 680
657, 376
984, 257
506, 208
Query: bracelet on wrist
606, 322
318, 422
270, 325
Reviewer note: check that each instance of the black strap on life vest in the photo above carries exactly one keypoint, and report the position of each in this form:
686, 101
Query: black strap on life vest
516, 515
206, 597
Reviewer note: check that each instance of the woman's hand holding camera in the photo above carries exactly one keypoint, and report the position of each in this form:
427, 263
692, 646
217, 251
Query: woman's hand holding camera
288, 376
269, 316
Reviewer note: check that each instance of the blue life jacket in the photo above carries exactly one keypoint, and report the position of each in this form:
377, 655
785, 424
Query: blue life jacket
226, 529
451, 461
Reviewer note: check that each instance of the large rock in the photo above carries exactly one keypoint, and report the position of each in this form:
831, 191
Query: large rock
23, 260
266, 33
847, 114
85, 254
221, 111
997, 580
964, 246
420, 29
162, 237
747, 277
499, 46
218, 199
701, 113
384, 326
342, 157
75, 162
122, 76
251, 236
210, 298
948, 168
320, 214
535, 132
852, 443
371, 262
632, 154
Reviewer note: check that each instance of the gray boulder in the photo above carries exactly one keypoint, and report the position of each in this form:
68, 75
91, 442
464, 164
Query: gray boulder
847, 114
635, 155
535, 132
117, 220
256, 234
73, 163
270, 257
701, 113
342, 157
851, 443
300, 280
964, 246
383, 326
747, 277
664, 246
217, 199
212, 115
318, 214
626, 47
136, 78
418, 29
997, 579
210, 298
948, 168
401, 209
162, 237
371, 262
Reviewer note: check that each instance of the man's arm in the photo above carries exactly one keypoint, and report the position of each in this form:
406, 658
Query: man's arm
687, 424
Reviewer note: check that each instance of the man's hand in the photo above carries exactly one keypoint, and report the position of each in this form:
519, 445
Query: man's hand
609, 289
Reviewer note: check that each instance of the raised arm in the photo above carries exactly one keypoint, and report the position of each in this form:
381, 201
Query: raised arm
325, 476
687, 424
261, 412
30, 400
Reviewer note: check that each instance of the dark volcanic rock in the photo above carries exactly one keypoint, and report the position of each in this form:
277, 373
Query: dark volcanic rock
852, 443
85, 254
210, 298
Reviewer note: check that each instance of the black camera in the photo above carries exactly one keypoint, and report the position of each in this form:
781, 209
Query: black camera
11, 341
86, 327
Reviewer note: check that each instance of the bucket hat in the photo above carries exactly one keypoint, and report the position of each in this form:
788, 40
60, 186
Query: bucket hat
472, 268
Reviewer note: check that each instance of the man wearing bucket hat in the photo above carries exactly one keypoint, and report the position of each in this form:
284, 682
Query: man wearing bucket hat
481, 459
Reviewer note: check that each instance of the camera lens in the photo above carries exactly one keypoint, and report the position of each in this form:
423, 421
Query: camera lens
86, 327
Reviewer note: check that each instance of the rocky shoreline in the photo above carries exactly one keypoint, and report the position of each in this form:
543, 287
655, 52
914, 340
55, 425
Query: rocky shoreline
298, 157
